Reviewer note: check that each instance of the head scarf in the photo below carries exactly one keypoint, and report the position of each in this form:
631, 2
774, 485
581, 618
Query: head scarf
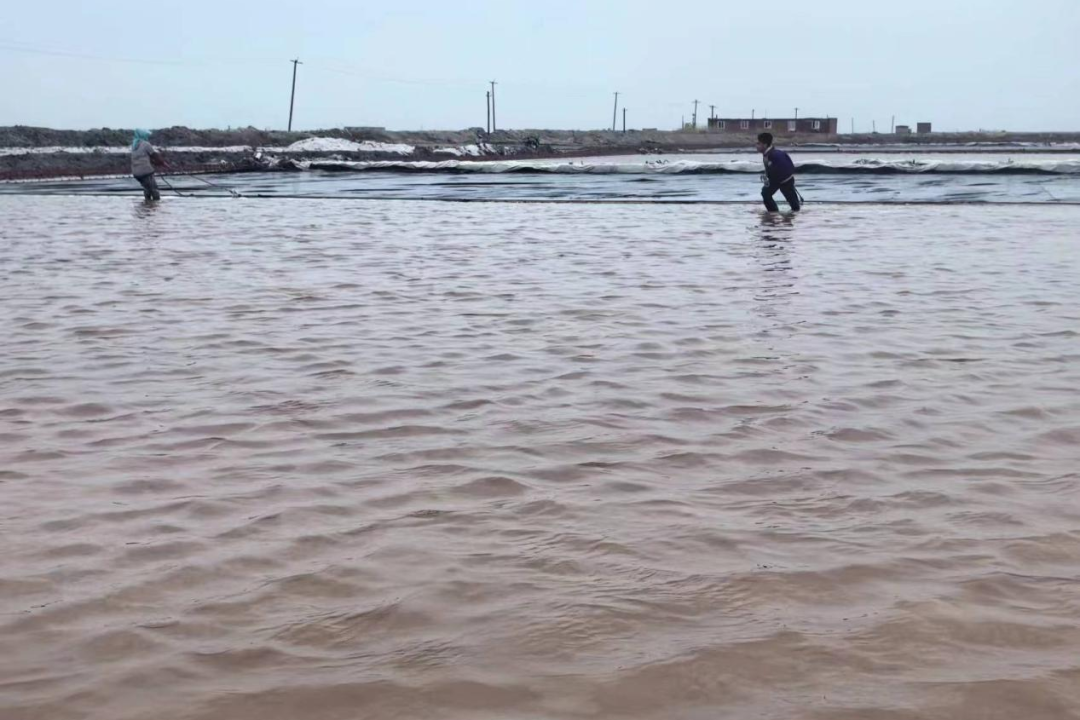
140, 135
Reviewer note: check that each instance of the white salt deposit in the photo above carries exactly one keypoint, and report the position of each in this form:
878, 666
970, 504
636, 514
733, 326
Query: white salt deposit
466, 150
319, 144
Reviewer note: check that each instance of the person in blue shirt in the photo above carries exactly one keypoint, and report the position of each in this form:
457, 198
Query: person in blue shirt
779, 174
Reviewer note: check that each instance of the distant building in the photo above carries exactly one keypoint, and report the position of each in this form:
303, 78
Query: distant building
783, 126
923, 128
903, 129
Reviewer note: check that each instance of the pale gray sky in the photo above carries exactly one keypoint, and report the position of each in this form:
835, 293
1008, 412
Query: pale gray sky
962, 64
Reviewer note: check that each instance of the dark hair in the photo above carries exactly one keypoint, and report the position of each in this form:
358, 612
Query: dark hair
765, 138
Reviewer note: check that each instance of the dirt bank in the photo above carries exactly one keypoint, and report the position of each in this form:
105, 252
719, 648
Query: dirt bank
81, 153
29, 137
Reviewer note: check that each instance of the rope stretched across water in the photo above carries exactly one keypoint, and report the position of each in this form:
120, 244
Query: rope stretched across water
554, 201
232, 192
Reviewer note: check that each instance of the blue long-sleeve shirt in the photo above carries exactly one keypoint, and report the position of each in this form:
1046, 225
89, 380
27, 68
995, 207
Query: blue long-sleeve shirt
778, 166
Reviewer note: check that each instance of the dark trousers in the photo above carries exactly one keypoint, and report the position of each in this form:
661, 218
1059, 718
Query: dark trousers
149, 186
787, 188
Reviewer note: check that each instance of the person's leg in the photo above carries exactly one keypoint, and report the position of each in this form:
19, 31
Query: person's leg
149, 186
791, 195
766, 194
142, 180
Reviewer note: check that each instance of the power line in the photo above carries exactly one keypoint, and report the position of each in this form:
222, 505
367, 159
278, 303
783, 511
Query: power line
318, 65
315, 63
359, 72
21, 47
85, 56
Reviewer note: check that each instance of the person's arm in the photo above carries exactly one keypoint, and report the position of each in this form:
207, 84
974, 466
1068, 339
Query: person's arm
157, 158
772, 170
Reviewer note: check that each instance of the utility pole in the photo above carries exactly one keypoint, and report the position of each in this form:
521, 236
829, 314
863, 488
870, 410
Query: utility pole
712, 111
493, 126
624, 121
752, 114
488, 108
695, 113
615, 112
292, 98
796, 113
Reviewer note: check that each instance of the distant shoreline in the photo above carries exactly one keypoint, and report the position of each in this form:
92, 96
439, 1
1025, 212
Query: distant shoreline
26, 136
94, 153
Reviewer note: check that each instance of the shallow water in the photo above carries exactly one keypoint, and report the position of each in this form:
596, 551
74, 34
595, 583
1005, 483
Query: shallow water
320, 459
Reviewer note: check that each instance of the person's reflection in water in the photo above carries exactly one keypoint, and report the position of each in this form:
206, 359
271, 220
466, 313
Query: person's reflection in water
145, 215
772, 253
145, 210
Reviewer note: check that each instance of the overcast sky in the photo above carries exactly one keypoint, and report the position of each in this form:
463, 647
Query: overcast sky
411, 64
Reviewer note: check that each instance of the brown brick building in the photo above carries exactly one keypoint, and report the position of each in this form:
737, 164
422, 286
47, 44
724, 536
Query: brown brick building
782, 126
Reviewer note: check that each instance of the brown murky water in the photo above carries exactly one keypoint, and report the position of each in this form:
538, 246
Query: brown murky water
331, 460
